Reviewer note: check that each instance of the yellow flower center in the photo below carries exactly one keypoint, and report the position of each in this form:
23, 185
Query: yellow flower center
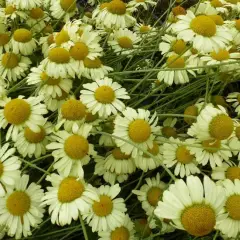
18, 203
221, 127
76, 147
191, 111
204, 26
70, 189
217, 19
50, 39
144, 29
179, 46
4, 39
22, 35
48, 29
233, 207
73, 110
120, 233
178, 11
194, 51
233, 173
9, 10
88, 14
1, 168
68, 5
214, 144
169, 132
59, 55
219, 100
104, 5
198, 220
10, 60
90, 117
154, 150
104, 94
153, 195
88, 63
104, 207
183, 155
216, 3
119, 155
17, 111
36, 13
125, 42
48, 80
79, 51
237, 24
33, 137
175, 62
221, 55
139, 130
62, 37
116, 7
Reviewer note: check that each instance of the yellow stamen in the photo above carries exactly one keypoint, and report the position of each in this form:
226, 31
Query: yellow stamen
73, 110
179, 11
153, 195
120, 233
169, 132
191, 111
217, 19
117, 7
68, 5
104, 5
154, 150
183, 155
104, 207
233, 207
22, 35
214, 144
89, 63
33, 137
144, 29
179, 46
221, 55
10, 60
125, 42
175, 62
4, 39
233, 173
216, 3
9, 10
36, 13
119, 155
104, 94
79, 51
59, 55
48, 80
62, 37
48, 29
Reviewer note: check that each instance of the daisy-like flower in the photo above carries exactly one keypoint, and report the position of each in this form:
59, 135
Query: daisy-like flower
194, 60
94, 68
193, 206
107, 212
29, 143
4, 42
168, 130
234, 99
67, 198
113, 15
23, 42
172, 74
138, 128
226, 171
213, 151
13, 66
9, 168
72, 114
63, 9
219, 6
146, 162
20, 113
48, 85
176, 153
150, 193
103, 96
134, 4
71, 151
27, 4
212, 123
123, 41
20, 208
231, 225
124, 232
10, 12
203, 32
234, 28
143, 29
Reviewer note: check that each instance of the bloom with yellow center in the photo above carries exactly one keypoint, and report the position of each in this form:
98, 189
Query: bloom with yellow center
168, 130
13, 66
114, 15
192, 206
71, 151
20, 113
23, 42
178, 154
231, 225
125, 232
145, 30
68, 197
107, 211
202, 32
137, 127
11, 12
123, 41
212, 123
150, 193
103, 97
234, 99
4, 42
29, 143
21, 208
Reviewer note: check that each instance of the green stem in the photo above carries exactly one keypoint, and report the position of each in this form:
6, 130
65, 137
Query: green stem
83, 228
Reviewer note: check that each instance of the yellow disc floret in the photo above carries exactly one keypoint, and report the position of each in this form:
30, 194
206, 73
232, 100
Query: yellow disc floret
216, 3
190, 111
68, 5
221, 127
76, 147
221, 55
48, 80
79, 51
33, 137
169, 132
217, 19
175, 62
125, 42
154, 150
119, 155
144, 29
233, 207
179, 46
211, 146
153, 195
59, 55
36, 13
103, 207
117, 7
70, 189
233, 173
18, 203
183, 155
4, 39
179, 11
10, 60
139, 130
89, 63
104, 94
204, 26
198, 220
62, 37
73, 110
17, 111
9, 10
22, 35
120, 233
